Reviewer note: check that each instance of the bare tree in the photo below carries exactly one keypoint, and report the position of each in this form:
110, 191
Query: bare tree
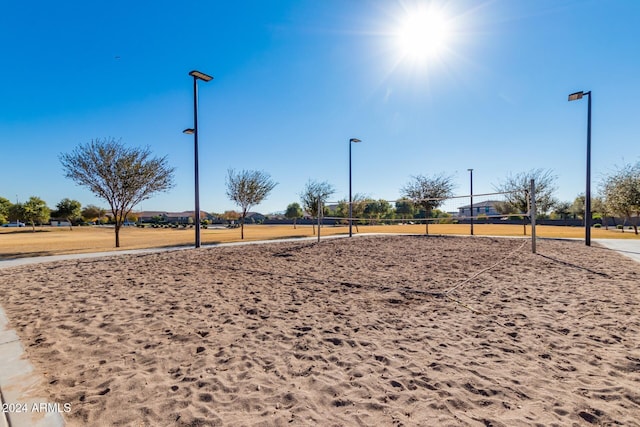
518, 188
123, 176
428, 193
622, 193
248, 188
313, 192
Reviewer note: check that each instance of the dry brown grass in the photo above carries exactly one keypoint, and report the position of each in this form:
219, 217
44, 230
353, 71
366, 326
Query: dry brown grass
16, 243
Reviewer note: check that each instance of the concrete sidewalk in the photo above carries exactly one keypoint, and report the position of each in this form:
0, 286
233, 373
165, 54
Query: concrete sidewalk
21, 407
51, 258
627, 247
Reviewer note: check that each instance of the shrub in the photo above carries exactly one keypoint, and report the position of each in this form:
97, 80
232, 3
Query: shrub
597, 225
619, 226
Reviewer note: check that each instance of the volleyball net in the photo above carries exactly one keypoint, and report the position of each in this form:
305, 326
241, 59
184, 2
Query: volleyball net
453, 210
498, 207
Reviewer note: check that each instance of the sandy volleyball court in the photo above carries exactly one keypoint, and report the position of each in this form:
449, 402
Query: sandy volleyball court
348, 332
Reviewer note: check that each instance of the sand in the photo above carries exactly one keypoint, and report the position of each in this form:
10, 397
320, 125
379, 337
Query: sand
348, 332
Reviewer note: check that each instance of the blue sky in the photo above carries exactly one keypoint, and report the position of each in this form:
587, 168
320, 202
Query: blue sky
294, 80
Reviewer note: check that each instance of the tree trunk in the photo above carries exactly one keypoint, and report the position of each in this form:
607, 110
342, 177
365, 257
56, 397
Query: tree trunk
524, 226
294, 223
117, 228
244, 214
33, 226
70, 226
427, 215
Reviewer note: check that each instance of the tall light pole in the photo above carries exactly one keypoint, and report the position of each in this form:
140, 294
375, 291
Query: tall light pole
351, 141
197, 75
587, 196
471, 197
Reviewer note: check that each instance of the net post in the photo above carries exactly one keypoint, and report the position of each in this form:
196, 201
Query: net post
532, 215
319, 216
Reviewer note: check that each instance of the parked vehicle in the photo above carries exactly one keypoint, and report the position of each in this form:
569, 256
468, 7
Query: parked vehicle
14, 224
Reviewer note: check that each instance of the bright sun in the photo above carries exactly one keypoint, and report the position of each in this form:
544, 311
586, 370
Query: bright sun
423, 34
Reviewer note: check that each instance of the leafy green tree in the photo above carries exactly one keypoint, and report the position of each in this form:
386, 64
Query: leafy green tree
359, 204
562, 210
518, 188
405, 208
294, 211
342, 211
68, 209
428, 193
370, 210
577, 207
376, 209
93, 213
230, 216
385, 211
121, 175
312, 193
5, 207
248, 188
16, 212
600, 209
622, 193
35, 210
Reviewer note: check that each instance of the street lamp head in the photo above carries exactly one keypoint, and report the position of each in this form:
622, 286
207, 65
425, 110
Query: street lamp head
470, 170
189, 131
354, 140
201, 76
575, 96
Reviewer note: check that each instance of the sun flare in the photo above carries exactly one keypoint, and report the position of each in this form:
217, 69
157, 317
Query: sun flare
423, 34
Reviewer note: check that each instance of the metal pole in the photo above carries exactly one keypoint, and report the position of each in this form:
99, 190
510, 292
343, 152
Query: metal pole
471, 206
587, 201
350, 197
532, 215
195, 150
319, 215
